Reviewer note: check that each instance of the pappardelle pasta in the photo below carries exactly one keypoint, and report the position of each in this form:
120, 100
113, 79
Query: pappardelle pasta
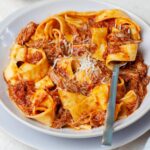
60, 69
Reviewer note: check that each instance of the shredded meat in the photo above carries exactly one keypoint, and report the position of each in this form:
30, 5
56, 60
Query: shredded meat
85, 34
21, 92
55, 96
54, 77
85, 88
65, 47
26, 33
82, 35
145, 81
128, 74
109, 23
79, 50
105, 71
62, 116
119, 37
63, 119
142, 90
71, 85
123, 35
53, 53
51, 50
141, 68
111, 49
97, 118
85, 49
93, 47
34, 58
62, 72
75, 86
96, 76
73, 29
115, 39
135, 76
61, 79
40, 43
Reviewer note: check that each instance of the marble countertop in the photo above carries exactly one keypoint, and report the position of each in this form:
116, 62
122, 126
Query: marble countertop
139, 7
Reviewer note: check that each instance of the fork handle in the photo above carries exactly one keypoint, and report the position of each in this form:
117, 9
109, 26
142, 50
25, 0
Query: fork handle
109, 121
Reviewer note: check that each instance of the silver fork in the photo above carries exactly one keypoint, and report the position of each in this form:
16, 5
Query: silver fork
109, 121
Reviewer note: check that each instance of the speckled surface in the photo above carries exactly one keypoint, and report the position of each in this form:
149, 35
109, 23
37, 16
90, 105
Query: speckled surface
139, 7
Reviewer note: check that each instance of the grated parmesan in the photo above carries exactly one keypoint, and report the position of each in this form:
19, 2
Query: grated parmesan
55, 62
86, 63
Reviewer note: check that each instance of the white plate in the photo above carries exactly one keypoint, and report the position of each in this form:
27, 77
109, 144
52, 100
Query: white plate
43, 141
39, 12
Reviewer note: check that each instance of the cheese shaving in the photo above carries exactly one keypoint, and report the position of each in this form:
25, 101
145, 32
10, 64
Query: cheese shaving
86, 63
55, 62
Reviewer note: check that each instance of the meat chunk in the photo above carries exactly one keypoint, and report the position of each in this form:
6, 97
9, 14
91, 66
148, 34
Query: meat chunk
111, 48
109, 23
146, 80
93, 47
79, 50
75, 86
26, 33
59, 76
128, 74
119, 37
122, 35
141, 69
73, 29
97, 118
20, 93
54, 77
105, 71
70, 85
53, 53
82, 35
135, 76
54, 94
51, 49
63, 119
40, 43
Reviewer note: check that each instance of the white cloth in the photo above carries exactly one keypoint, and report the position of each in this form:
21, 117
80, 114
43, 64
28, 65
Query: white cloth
139, 7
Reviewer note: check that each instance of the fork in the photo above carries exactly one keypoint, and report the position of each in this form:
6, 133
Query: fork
110, 115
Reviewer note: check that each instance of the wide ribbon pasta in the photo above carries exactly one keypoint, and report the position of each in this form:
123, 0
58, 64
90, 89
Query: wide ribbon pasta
43, 107
19, 67
60, 69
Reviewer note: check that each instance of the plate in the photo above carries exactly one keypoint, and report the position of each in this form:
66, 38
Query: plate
43, 141
12, 25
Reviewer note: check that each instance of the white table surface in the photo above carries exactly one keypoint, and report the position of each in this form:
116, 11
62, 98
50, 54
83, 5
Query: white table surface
139, 7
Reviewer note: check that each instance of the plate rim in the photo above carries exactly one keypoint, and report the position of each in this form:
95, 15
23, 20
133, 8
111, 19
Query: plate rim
7, 20
144, 130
